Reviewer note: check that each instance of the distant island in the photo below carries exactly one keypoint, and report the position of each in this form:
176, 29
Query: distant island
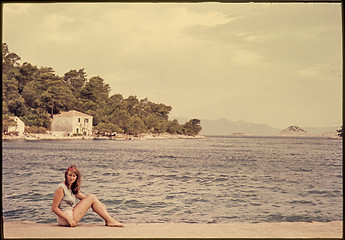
293, 131
225, 127
296, 131
35, 95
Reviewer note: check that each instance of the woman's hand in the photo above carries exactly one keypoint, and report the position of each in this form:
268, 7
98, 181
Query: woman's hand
71, 222
80, 196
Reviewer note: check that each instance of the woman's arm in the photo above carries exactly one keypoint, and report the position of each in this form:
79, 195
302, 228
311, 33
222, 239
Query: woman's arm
80, 196
59, 194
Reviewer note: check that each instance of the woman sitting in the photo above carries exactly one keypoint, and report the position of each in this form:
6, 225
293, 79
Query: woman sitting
65, 197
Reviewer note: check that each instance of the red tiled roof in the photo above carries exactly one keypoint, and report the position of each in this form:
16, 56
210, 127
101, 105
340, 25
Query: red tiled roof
72, 113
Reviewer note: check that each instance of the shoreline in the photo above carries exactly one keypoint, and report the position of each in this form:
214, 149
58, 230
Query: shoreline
120, 137
334, 229
37, 137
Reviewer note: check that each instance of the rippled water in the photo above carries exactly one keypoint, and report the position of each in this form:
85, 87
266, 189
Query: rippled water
212, 180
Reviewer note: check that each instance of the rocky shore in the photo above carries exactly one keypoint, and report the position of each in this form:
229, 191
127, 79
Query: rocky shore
35, 137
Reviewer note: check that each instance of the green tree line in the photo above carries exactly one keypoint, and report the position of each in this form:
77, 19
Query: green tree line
35, 94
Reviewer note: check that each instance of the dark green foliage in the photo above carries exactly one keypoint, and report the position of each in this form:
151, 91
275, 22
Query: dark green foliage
174, 127
76, 80
27, 74
9, 60
48, 91
35, 94
37, 117
192, 127
35, 129
340, 132
7, 122
108, 128
12, 100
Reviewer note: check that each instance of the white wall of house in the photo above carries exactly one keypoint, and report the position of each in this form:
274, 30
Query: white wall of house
61, 124
72, 122
82, 125
20, 128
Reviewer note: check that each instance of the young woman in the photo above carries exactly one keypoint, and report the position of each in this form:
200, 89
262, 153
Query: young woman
65, 197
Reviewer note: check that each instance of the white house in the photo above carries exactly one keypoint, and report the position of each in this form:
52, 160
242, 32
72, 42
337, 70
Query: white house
20, 127
72, 122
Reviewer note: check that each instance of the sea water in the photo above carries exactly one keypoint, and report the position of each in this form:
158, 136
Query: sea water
211, 180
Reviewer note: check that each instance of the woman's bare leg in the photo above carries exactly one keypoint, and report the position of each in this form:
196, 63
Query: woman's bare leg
92, 201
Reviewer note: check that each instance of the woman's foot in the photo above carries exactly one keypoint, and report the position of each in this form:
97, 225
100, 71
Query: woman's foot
113, 223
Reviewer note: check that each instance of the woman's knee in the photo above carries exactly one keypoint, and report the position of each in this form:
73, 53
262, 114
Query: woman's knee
92, 198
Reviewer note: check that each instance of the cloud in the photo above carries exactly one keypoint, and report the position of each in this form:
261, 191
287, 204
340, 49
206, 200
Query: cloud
281, 33
208, 60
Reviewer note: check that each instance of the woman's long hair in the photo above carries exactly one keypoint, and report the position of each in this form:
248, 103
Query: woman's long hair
76, 185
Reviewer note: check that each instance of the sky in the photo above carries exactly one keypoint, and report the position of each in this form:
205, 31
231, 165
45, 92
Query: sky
273, 63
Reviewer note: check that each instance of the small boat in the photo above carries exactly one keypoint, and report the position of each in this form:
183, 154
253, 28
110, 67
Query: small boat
29, 138
100, 138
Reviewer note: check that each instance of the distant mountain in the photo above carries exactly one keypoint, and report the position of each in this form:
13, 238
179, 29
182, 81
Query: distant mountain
330, 132
224, 127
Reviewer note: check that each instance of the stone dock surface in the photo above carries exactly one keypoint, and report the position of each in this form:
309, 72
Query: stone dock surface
176, 230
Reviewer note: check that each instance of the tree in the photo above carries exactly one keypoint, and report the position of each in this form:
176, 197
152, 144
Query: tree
340, 132
103, 128
9, 59
120, 117
161, 127
44, 78
47, 91
174, 127
37, 117
96, 90
150, 121
35, 94
76, 80
27, 73
131, 105
192, 127
114, 102
5, 51
162, 110
55, 98
14, 102
134, 125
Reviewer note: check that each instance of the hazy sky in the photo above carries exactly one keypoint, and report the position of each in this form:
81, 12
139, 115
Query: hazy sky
279, 64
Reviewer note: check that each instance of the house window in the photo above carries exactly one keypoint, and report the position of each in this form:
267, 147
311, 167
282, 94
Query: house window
86, 120
77, 130
79, 120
